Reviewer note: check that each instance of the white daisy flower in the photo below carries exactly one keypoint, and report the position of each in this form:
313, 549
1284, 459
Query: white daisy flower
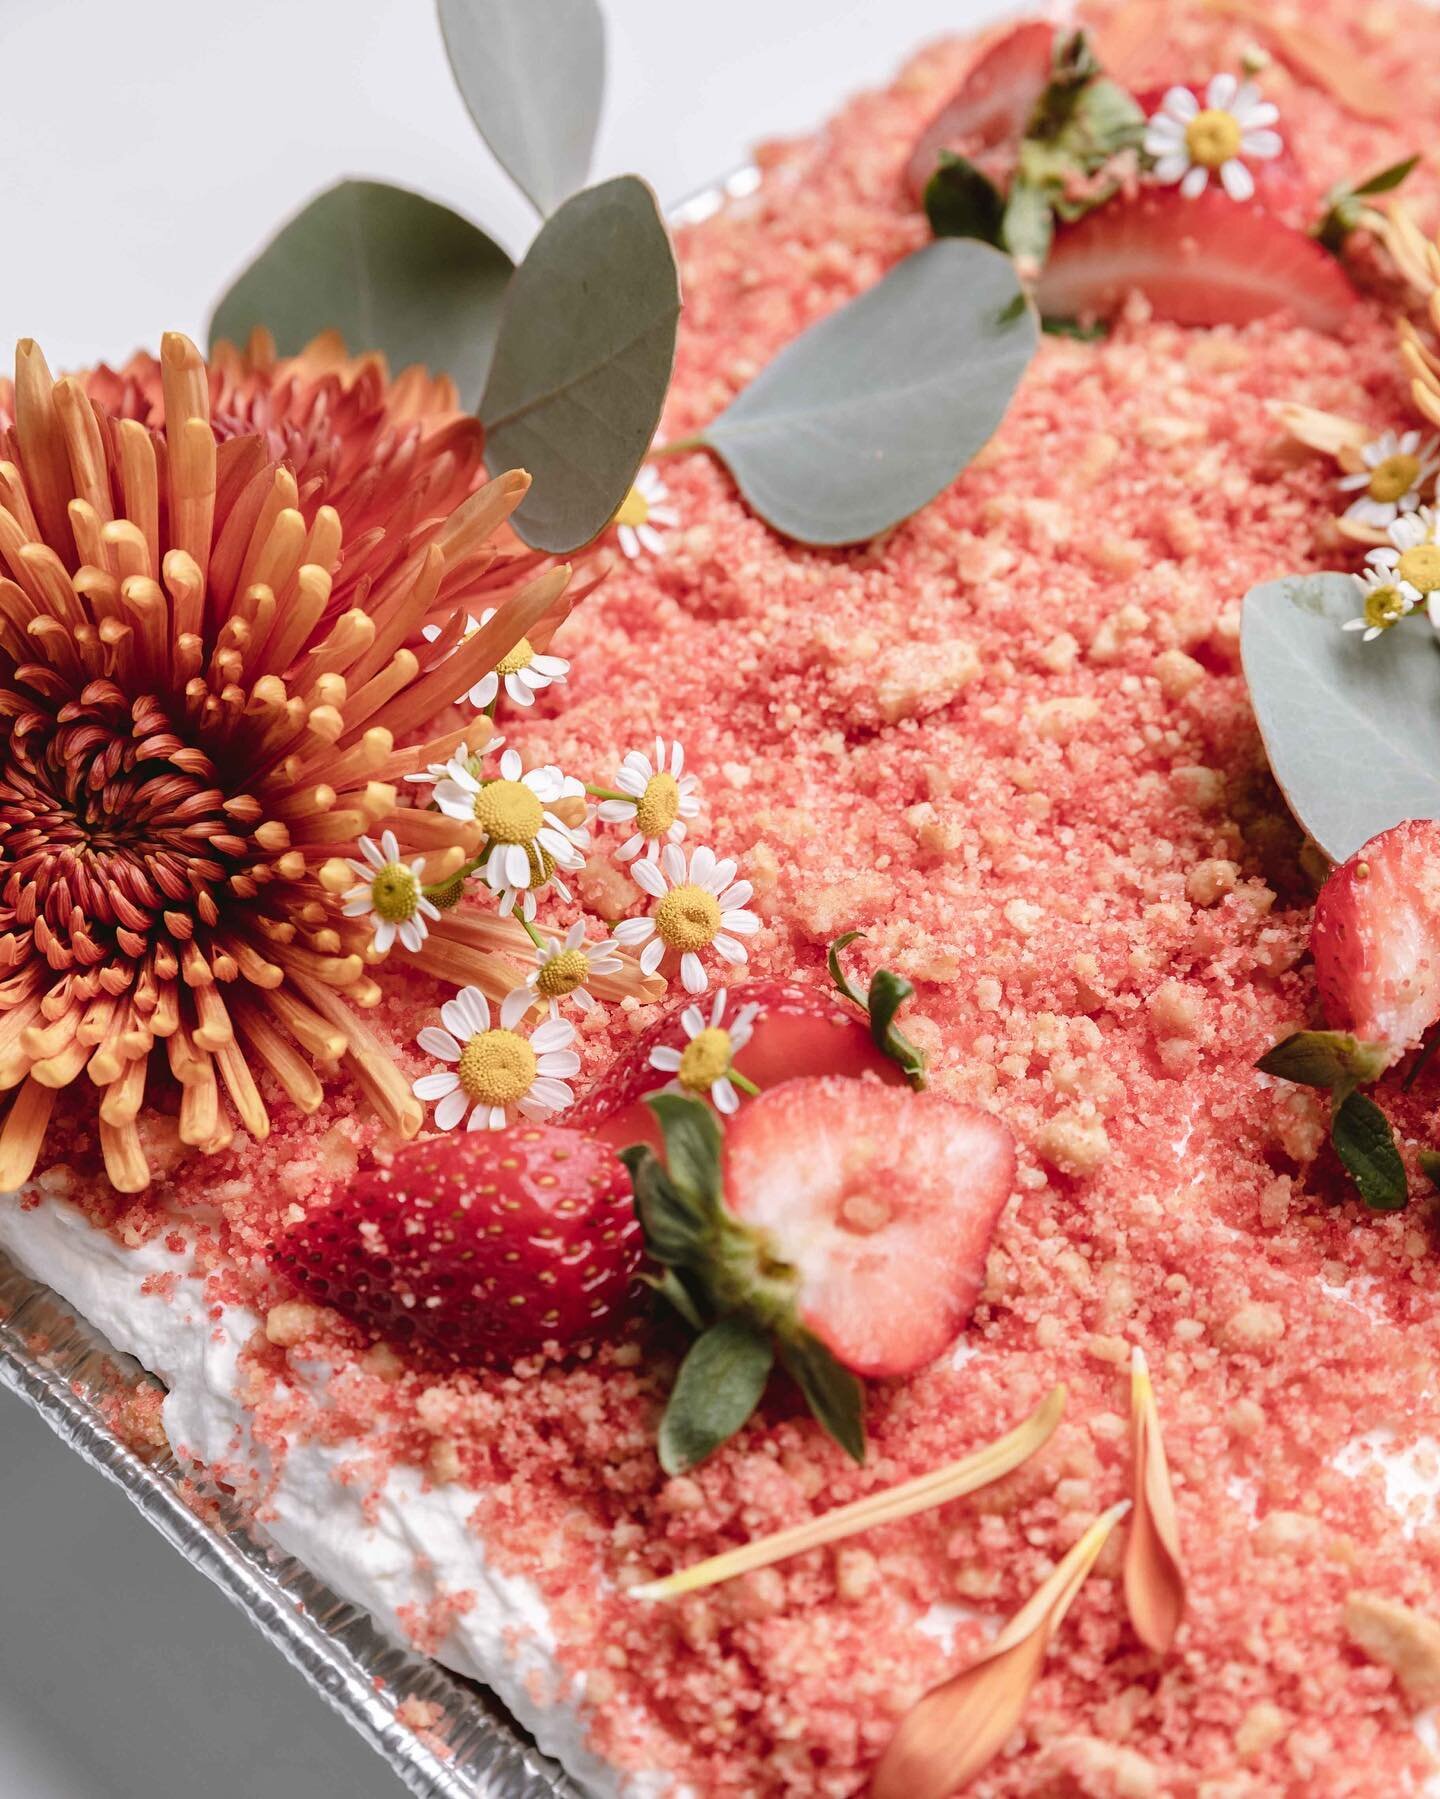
1190, 142
495, 1072
390, 892
700, 907
524, 671
1396, 469
657, 797
1382, 604
1411, 560
563, 967
462, 753
707, 1062
642, 513
524, 841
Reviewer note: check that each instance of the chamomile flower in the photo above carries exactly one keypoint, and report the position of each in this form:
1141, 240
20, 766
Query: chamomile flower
641, 515
656, 797
524, 841
1411, 560
565, 966
701, 906
495, 1072
1191, 142
391, 893
462, 753
1382, 605
1397, 469
706, 1065
524, 670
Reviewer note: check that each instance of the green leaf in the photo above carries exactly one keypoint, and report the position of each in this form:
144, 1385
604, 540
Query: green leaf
1326, 1059
875, 409
1352, 729
1387, 180
838, 974
1429, 1160
962, 201
583, 361
1343, 209
388, 269
532, 76
1365, 1143
676, 1229
669, 1285
1029, 225
832, 1393
888, 992
719, 1385
692, 1148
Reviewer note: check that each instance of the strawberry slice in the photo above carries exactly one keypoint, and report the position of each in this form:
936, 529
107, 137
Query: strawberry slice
883, 1201
481, 1245
1207, 261
991, 107
1376, 937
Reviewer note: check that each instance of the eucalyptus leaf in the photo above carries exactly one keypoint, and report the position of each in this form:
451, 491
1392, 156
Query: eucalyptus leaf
833, 1394
877, 408
388, 269
1352, 729
583, 361
1365, 1143
719, 1385
532, 73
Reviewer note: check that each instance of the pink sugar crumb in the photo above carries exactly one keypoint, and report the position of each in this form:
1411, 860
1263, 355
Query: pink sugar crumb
422, 1717
427, 1626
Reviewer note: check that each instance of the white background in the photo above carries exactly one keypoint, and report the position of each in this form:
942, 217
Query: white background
147, 148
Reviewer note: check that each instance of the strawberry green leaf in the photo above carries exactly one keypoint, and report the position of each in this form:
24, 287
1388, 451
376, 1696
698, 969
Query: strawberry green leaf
837, 971
692, 1148
532, 77
832, 1393
671, 1287
962, 201
676, 1229
1352, 729
1342, 207
1326, 1059
888, 992
1365, 1144
1029, 225
719, 1385
1429, 1160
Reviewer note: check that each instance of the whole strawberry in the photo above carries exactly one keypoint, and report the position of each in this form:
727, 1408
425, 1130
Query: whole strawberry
480, 1246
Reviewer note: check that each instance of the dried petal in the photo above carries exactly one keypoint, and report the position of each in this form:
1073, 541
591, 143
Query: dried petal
949, 1736
1317, 57
976, 1470
1154, 1578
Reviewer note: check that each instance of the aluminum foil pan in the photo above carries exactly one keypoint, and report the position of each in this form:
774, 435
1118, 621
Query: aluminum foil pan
66, 1371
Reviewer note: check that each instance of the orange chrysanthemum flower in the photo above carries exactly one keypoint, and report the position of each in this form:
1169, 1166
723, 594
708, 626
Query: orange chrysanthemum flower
213, 585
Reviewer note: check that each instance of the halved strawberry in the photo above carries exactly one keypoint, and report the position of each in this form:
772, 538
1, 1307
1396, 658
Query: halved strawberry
991, 107
1207, 261
883, 1201
1376, 937
485, 1244
1281, 185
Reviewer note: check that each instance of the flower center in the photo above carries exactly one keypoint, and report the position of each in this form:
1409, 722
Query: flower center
394, 893
659, 806
1384, 606
1421, 567
634, 509
706, 1060
1212, 137
562, 974
520, 657
507, 812
1393, 478
497, 1068
443, 898
688, 918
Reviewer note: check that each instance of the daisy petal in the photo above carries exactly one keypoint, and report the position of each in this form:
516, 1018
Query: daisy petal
435, 1086
692, 973
451, 1109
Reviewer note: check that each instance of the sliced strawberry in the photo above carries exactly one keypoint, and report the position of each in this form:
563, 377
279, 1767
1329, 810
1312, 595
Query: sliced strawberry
1281, 185
1376, 937
884, 1202
991, 107
1207, 261
796, 1031
480, 1245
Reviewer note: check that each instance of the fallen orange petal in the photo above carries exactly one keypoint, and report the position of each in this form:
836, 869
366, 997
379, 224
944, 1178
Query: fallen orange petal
948, 1737
1323, 60
1154, 1578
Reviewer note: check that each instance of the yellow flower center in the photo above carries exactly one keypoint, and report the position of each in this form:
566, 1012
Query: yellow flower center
688, 918
659, 806
1393, 478
394, 893
520, 657
443, 898
1212, 137
562, 974
634, 509
1421, 567
508, 812
706, 1060
497, 1068
1384, 606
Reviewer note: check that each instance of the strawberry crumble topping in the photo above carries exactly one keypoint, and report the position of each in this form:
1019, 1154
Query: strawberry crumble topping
1011, 743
